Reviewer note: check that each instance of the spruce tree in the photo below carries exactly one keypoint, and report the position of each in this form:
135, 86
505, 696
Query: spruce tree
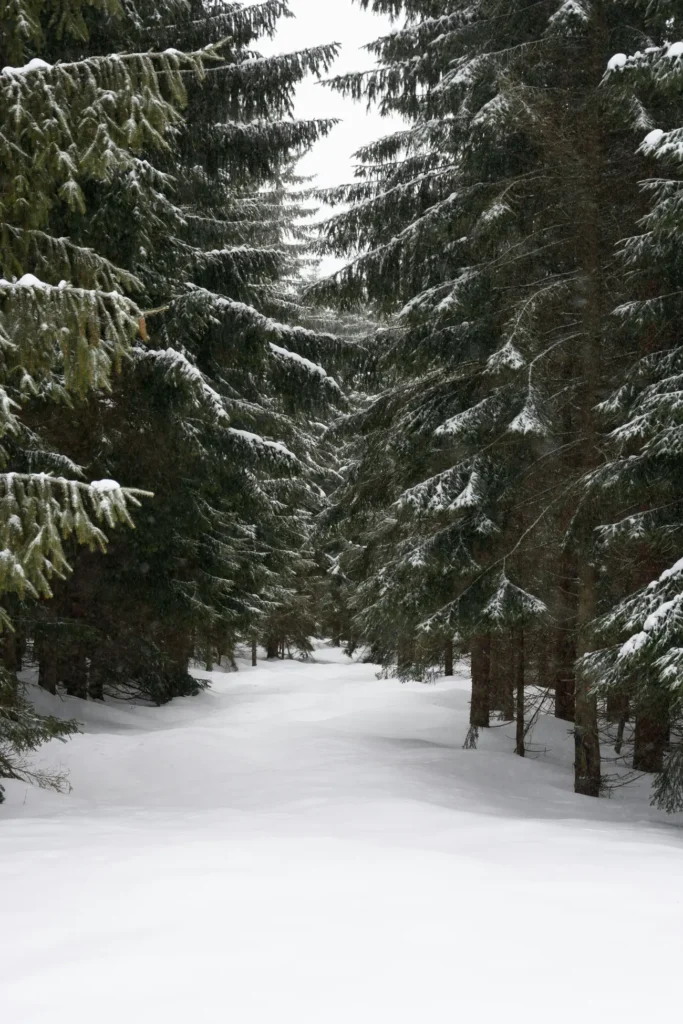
223, 374
489, 228
67, 318
639, 485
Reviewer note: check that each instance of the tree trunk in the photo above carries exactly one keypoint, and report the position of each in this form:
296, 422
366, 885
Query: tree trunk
502, 696
596, 254
180, 646
651, 739
11, 651
587, 775
542, 664
405, 656
47, 668
448, 671
481, 681
519, 686
565, 643
254, 652
96, 678
617, 706
618, 710
75, 672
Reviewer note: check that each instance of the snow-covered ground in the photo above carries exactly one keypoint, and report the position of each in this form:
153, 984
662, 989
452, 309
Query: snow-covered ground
307, 843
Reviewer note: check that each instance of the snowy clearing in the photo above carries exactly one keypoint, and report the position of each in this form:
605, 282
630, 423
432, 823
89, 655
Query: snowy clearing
307, 843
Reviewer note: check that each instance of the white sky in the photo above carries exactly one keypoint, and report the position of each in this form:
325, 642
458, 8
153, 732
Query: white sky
329, 21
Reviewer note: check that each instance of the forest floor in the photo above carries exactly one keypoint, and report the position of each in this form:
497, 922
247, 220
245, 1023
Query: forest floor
304, 842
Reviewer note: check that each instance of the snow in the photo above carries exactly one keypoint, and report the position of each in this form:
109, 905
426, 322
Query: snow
652, 139
306, 843
617, 61
284, 353
570, 9
26, 281
659, 615
506, 358
633, 644
528, 422
31, 281
675, 50
36, 64
258, 441
675, 570
105, 486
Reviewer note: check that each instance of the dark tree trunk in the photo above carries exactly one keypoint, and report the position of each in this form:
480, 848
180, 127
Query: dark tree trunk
448, 671
180, 647
96, 678
11, 651
564, 659
47, 668
617, 706
619, 741
519, 687
254, 652
651, 739
591, 203
495, 674
502, 677
587, 773
75, 672
619, 711
542, 662
405, 656
481, 681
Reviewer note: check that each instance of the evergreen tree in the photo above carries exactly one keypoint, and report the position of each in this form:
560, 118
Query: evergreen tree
489, 227
66, 318
640, 484
221, 376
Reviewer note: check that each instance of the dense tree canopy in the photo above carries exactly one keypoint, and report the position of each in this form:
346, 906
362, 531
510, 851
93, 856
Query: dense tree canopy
464, 441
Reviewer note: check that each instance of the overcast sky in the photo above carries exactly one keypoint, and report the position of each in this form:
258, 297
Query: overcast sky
329, 21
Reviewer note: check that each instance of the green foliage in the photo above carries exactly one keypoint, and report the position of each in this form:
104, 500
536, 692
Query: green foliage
481, 491
216, 410
65, 126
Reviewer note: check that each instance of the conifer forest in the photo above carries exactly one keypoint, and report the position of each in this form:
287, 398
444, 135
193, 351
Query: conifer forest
424, 426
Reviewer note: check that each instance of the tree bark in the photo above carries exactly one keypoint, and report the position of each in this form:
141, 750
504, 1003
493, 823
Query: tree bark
519, 685
565, 643
47, 666
587, 775
502, 696
448, 671
254, 652
96, 678
481, 682
617, 706
75, 671
542, 664
405, 656
179, 645
619, 711
11, 651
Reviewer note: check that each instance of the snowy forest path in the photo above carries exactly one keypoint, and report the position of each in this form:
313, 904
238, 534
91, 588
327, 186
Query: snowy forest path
306, 842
